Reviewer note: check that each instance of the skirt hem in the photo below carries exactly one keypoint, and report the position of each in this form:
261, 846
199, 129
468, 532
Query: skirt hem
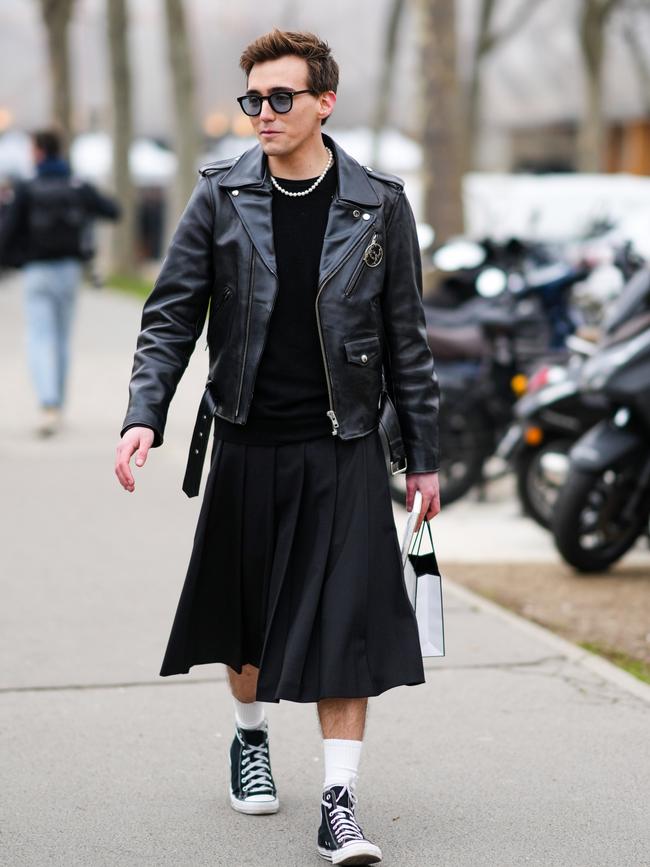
298, 694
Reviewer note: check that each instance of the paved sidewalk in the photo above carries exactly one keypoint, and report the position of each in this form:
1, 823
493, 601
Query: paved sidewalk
519, 749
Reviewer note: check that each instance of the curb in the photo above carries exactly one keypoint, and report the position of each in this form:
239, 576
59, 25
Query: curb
597, 664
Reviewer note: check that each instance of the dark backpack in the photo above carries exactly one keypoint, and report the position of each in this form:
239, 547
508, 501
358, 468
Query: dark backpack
58, 221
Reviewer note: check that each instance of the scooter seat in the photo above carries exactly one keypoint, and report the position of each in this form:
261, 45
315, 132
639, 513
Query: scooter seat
458, 343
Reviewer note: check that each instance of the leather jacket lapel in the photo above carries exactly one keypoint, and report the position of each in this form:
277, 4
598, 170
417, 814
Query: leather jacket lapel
254, 208
351, 215
248, 186
344, 231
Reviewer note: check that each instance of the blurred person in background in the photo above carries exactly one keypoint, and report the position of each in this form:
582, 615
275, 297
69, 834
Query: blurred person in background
47, 230
309, 264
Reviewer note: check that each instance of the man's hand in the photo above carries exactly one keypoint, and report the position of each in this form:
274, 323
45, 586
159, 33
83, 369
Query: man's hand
428, 485
136, 439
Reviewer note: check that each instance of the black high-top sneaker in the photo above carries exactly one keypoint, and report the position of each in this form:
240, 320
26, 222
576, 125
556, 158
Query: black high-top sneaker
252, 789
340, 839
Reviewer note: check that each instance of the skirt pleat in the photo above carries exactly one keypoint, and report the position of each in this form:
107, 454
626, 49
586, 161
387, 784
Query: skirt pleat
296, 569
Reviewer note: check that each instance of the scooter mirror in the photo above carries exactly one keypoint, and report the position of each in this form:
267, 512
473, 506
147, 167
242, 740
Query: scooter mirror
459, 254
491, 282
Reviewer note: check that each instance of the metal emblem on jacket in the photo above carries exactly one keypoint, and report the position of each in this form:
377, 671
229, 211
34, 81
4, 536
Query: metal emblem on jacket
373, 254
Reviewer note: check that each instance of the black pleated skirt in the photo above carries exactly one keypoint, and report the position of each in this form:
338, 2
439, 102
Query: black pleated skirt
296, 569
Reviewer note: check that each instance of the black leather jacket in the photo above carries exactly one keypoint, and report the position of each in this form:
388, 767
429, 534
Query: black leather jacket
368, 304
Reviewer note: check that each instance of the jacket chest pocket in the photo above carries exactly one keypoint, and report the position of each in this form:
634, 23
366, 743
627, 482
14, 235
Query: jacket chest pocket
364, 351
371, 257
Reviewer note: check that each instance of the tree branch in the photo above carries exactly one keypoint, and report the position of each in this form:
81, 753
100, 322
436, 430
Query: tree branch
519, 18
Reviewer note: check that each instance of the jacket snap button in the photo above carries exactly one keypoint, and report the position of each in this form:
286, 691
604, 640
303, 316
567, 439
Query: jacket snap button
235, 192
364, 358
356, 214
366, 216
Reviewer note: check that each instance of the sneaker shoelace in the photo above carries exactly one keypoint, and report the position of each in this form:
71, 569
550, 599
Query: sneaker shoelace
256, 770
342, 819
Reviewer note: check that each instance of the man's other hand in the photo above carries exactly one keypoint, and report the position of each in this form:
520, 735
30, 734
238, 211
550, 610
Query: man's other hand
136, 439
429, 487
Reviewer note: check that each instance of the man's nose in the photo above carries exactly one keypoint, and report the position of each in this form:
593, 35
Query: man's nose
267, 114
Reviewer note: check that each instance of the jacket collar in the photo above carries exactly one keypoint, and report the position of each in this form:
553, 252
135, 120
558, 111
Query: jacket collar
251, 170
53, 166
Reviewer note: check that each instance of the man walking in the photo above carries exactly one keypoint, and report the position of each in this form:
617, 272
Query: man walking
310, 268
48, 230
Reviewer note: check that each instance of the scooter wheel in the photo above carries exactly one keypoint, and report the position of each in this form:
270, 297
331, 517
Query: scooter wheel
537, 494
589, 525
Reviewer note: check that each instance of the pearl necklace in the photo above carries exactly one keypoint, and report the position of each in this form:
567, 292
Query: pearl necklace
330, 160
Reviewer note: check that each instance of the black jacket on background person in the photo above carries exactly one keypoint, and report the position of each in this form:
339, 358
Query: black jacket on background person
368, 305
51, 216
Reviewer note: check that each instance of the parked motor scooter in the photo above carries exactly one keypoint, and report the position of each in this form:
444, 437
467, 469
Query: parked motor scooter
603, 506
483, 351
556, 411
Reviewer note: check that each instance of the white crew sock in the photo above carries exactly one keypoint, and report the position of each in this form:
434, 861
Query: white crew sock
249, 715
341, 761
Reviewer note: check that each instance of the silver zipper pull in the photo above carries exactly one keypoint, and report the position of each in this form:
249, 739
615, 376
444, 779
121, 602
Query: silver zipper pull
334, 420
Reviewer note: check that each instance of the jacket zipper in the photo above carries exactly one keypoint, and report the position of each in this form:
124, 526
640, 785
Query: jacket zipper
248, 322
357, 273
331, 414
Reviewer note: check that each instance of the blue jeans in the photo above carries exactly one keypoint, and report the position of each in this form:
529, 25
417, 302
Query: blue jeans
50, 294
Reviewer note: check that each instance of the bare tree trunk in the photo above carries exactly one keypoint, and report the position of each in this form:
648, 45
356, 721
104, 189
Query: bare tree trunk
290, 15
488, 40
441, 136
481, 48
124, 236
387, 75
591, 134
640, 60
188, 140
56, 17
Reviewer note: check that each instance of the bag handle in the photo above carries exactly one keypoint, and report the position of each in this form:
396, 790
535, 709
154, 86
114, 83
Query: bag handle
419, 535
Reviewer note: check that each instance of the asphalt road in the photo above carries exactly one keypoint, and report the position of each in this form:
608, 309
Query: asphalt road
519, 749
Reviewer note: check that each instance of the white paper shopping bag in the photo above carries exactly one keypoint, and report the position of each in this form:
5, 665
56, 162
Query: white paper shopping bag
423, 583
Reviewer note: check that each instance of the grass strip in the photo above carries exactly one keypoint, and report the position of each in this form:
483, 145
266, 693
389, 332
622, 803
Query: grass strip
637, 667
134, 285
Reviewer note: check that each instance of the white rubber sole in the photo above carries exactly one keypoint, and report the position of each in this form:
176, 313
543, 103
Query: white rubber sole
254, 808
353, 853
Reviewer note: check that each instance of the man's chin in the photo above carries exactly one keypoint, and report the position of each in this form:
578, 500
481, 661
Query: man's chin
273, 146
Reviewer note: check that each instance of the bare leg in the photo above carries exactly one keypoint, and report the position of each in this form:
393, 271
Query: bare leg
343, 717
243, 686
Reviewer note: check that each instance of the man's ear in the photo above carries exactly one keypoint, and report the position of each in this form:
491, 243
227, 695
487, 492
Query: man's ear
327, 101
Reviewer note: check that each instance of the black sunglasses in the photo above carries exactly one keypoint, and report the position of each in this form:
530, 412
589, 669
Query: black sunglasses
281, 101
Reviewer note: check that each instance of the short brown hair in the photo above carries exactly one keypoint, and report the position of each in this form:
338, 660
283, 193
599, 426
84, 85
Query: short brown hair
49, 141
323, 70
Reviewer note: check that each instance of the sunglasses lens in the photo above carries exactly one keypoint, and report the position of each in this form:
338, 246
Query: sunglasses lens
251, 105
281, 102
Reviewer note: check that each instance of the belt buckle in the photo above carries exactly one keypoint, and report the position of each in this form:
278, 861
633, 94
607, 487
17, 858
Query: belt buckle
397, 467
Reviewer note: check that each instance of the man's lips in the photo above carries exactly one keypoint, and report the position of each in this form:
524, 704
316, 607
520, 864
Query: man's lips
270, 132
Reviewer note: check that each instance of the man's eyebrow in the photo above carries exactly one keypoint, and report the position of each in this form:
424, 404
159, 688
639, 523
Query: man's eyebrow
253, 92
